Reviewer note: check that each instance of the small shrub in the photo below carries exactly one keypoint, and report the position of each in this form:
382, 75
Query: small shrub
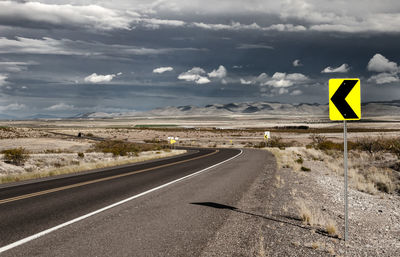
329, 145
75, 162
16, 156
383, 187
300, 160
58, 164
89, 135
261, 144
121, 148
366, 144
277, 142
317, 139
305, 169
81, 155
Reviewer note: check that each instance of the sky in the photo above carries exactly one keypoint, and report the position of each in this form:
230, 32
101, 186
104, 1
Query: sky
62, 58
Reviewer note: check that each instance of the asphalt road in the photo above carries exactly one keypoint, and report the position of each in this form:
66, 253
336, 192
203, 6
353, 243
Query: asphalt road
172, 221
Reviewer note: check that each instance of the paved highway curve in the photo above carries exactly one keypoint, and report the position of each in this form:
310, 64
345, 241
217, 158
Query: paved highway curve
33, 207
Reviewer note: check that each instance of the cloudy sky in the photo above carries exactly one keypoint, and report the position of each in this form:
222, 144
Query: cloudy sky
63, 57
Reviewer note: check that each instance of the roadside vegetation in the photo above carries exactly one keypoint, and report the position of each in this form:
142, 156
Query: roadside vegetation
23, 165
16, 156
373, 162
122, 148
78, 166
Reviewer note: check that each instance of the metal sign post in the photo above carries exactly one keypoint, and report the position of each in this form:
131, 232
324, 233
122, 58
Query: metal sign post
346, 203
345, 104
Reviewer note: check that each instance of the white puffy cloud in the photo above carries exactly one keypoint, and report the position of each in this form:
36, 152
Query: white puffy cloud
13, 107
245, 82
162, 69
60, 107
380, 63
281, 91
202, 80
3, 78
384, 78
388, 71
95, 78
281, 79
90, 16
278, 80
296, 92
341, 69
297, 63
219, 73
194, 74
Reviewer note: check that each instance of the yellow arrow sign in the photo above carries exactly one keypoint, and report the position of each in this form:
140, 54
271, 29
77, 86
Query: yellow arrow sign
172, 141
344, 99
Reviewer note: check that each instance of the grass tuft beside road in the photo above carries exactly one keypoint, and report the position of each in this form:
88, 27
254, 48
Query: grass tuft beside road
88, 166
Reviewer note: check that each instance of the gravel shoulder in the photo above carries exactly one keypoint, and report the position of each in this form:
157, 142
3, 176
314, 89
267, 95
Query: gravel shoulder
267, 220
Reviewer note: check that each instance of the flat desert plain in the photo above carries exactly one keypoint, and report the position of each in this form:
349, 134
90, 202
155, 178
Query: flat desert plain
302, 195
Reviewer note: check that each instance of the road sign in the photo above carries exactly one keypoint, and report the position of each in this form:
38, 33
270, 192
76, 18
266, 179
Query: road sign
344, 99
345, 104
172, 141
266, 135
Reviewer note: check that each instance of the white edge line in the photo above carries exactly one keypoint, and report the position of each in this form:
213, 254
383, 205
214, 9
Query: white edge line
50, 230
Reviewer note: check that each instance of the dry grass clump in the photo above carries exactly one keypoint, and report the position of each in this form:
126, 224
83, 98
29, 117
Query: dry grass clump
330, 227
382, 179
311, 216
315, 245
366, 174
16, 156
287, 158
305, 213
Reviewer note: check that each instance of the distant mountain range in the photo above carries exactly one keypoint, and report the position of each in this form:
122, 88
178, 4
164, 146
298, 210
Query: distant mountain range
371, 109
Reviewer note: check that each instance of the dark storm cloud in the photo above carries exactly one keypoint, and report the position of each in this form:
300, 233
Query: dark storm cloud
72, 56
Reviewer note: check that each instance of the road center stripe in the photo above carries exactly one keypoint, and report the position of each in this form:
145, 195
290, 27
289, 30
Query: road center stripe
20, 197
50, 230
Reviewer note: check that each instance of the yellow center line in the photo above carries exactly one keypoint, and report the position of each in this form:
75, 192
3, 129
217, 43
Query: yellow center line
12, 199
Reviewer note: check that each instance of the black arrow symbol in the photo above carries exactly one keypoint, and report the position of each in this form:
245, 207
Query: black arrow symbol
338, 99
